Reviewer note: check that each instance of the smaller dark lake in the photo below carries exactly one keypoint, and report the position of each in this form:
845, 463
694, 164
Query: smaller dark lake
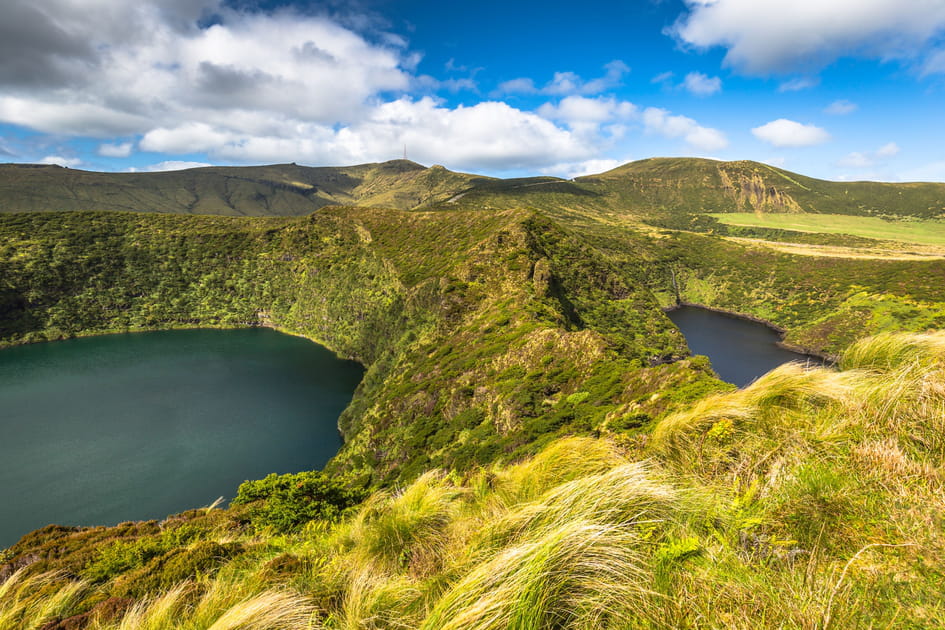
106, 429
740, 350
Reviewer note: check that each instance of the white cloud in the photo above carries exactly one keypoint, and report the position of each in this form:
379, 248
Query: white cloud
581, 109
452, 85
273, 86
568, 83
772, 36
118, 150
888, 150
935, 63
517, 86
187, 137
660, 121
119, 68
789, 133
580, 169
856, 160
281, 85
44, 113
798, 84
841, 108
61, 161
859, 160
489, 135
701, 84
174, 165
662, 77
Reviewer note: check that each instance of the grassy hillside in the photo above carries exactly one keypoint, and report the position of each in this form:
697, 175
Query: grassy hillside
808, 500
701, 186
276, 190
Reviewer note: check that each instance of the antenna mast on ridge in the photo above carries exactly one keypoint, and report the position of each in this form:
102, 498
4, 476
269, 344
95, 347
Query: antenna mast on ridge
405, 151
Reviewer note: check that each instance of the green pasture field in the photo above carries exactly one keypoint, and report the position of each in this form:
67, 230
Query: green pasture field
921, 232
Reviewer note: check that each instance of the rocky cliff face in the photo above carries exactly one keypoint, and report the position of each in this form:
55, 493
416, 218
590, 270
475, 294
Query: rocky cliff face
752, 192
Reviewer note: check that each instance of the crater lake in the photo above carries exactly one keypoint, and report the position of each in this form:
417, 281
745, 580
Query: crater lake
740, 350
100, 430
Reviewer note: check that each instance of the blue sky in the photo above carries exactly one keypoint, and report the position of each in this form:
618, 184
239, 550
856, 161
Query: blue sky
844, 89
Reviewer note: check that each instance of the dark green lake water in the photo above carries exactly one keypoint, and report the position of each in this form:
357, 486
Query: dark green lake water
101, 430
740, 350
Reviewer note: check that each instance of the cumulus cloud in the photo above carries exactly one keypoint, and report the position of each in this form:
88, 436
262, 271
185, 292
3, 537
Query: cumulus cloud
243, 84
701, 84
489, 135
841, 108
789, 133
662, 122
568, 83
234, 82
772, 36
118, 150
107, 67
575, 109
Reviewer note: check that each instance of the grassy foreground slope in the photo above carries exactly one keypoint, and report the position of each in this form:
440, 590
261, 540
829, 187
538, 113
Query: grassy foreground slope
808, 500
483, 334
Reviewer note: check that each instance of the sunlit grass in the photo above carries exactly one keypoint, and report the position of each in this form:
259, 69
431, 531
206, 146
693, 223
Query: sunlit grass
922, 232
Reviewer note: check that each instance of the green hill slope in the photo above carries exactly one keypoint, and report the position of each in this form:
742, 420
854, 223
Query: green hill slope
699, 185
277, 190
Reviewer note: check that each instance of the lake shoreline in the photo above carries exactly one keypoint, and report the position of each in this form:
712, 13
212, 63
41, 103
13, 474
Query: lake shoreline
259, 323
823, 356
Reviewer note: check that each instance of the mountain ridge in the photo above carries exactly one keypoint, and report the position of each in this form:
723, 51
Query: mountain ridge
652, 188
